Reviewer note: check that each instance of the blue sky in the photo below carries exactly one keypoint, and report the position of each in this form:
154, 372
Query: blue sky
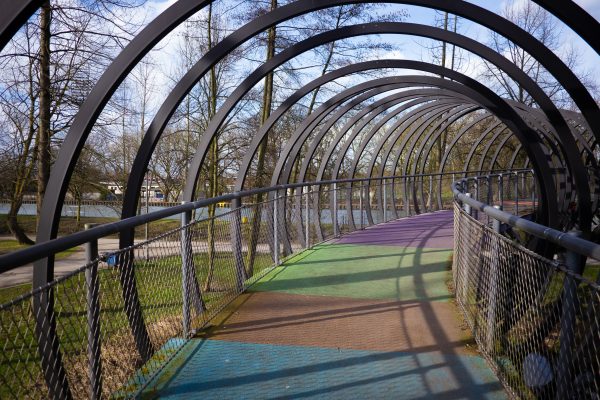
412, 48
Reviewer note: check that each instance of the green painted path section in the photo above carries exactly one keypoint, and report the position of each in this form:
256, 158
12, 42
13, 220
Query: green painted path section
364, 271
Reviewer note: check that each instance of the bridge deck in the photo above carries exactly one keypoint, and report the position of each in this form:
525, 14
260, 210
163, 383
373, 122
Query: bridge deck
366, 316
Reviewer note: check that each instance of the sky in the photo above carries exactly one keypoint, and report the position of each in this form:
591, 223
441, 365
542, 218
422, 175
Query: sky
412, 48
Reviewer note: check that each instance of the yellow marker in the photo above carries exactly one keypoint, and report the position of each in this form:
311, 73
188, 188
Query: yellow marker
244, 220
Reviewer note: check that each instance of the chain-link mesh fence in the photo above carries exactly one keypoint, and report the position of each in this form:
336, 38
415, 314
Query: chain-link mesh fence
108, 328
535, 320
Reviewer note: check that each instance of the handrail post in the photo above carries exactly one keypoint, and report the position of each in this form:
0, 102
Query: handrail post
335, 211
493, 299
517, 194
574, 262
468, 206
476, 212
360, 203
384, 202
276, 229
430, 193
93, 317
236, 233
186, 217
307, 217
501, 191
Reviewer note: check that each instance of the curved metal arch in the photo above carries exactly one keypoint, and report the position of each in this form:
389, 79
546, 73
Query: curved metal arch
306, 127
282, 170
367, 115
395, 161
404, 123
470, 11
432, 120
293, 99
488, 148
429, 143
336, 141
426, 95
426, 147
356, 131
259, 73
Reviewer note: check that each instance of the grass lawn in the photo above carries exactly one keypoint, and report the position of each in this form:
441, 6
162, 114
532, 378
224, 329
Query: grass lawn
158, 283
10, 245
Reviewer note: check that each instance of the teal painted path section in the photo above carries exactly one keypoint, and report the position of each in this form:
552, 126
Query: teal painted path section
364, 271
217, 369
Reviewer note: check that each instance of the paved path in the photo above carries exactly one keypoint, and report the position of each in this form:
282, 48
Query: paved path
77, 259
368, 316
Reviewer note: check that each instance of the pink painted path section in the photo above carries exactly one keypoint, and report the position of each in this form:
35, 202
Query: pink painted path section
432, 230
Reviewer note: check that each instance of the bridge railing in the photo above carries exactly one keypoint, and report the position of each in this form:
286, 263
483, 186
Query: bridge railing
108, 327
536, 319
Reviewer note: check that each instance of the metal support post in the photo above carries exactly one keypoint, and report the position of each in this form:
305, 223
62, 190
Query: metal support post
493, 287
360, 203
533, 191
430, 193
476, 212
570, 302
516, 193
468, 206
307, 217
93, 317
384, 202
185, 270
501, 191
335, 211
236, 236
276, 229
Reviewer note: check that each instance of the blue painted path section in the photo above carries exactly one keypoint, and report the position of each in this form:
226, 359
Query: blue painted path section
215, 369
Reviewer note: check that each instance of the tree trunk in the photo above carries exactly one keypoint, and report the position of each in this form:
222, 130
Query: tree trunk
43, 141
13, 223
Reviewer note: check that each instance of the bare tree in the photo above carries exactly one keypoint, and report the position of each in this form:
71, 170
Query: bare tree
544, 27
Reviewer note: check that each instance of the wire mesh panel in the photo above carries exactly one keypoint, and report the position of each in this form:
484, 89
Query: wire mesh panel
108, 328
534, 319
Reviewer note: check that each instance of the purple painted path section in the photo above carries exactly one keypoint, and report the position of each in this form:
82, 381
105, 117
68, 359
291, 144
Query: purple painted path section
433, 230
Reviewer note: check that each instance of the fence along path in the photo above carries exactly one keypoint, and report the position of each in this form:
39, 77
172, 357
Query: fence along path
368, 315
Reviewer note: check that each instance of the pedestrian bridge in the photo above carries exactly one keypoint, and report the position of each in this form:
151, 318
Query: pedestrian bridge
414, 235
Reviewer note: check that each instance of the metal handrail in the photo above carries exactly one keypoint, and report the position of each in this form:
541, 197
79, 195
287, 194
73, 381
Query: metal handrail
42, 250
563, 239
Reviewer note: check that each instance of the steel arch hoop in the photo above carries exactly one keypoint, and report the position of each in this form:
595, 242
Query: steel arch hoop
259, 73
424, 151
427, 111
398, 153
60, 200
407, 119
488, 148
294, 98
368, 114
304, 130
455, 140
336, 141
461, 8
306, 127
372, 111
339, 137
427, 142
434, 118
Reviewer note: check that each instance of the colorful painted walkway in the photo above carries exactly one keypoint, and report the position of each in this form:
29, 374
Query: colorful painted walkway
368, 316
